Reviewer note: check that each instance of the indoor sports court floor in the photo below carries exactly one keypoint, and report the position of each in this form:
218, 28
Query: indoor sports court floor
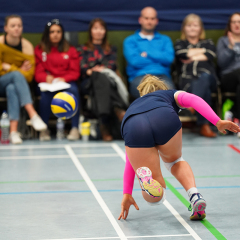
62, 190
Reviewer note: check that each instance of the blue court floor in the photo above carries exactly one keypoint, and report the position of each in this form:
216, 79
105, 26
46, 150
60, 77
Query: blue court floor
61, 190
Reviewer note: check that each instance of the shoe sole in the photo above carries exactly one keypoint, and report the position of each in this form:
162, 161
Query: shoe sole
199, 207
154, 188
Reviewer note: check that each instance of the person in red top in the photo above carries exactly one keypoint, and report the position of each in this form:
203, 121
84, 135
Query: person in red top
56, 60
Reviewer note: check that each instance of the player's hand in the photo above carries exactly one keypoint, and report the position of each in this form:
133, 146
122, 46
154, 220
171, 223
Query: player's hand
223, 125
127, 201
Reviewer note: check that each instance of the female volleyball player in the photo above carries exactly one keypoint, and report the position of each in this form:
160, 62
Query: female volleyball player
151, 127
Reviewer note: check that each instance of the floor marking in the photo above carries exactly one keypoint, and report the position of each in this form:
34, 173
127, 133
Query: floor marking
95, 192
234, 148
59, 156
166, 203
103, 190
213, 176
79, 145
119, 151
181, 220
152, 236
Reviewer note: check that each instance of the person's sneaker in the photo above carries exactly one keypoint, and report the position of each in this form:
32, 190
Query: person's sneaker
37, 123
15, 138
44, 135
197, 206
73, 134
148, 184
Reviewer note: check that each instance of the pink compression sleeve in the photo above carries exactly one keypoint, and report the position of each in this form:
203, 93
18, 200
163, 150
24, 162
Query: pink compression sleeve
128, 177
187, 100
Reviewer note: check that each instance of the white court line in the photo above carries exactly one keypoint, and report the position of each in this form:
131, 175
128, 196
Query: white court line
152, 236
166, 203
80, 145
180, 219
95, 192
119, 151
58, 156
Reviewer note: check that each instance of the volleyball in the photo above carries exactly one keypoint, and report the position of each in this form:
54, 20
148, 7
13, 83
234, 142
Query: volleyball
64, 105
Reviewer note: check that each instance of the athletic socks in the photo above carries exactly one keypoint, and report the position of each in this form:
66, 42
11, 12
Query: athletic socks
191, 191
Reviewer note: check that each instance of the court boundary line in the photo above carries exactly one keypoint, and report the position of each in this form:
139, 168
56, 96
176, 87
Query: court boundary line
58, 156
152, 236
205, 222
95, 192
234, 148
78, 145
166, 203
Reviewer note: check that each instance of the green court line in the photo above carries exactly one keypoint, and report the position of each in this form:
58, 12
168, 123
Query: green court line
59, 181
205, 222
113, 179
214, 176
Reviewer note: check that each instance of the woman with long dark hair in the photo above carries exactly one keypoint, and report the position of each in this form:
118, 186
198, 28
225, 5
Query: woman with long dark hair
16, 70
56, 60
228, 52
97, 59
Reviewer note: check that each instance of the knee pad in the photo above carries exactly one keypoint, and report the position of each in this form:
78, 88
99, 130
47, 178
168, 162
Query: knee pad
169, 165
159, 202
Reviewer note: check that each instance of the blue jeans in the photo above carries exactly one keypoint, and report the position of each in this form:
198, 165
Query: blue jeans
135, 82
202, 87
14, 86
46, 99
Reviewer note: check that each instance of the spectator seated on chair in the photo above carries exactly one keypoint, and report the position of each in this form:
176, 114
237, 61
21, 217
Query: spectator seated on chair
56, 60
195, 61
228, 54
98, 73
148, 52
16, 70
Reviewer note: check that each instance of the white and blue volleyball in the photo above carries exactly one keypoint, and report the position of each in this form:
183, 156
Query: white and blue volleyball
64, 105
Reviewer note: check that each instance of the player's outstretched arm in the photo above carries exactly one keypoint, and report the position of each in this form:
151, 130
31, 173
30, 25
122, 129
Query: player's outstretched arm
186, 100
127, 201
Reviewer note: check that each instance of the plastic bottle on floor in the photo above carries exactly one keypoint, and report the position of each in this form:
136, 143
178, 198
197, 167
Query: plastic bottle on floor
5, 124
60, 129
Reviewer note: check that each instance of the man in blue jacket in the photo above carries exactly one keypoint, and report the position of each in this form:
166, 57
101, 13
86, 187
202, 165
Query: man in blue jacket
148, 52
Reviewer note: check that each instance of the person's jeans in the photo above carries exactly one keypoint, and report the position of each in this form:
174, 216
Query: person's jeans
46, 99
135, 82
202, 87
14, 86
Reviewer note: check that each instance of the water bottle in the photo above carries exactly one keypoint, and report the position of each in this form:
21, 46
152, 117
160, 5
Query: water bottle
60, 129
85, 130
5, 124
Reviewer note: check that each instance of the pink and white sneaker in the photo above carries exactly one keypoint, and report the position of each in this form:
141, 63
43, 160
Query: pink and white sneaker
198, 206
148, 184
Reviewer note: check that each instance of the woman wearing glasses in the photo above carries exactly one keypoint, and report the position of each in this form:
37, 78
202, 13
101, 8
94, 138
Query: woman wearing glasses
56, 60
228, 52
16, 69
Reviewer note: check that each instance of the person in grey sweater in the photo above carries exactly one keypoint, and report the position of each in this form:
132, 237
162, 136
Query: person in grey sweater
228, 54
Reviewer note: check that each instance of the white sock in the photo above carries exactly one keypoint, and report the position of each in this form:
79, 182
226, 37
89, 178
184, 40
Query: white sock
191, 191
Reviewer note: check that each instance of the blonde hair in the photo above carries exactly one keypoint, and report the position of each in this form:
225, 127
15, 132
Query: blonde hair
190, 18
150, 84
